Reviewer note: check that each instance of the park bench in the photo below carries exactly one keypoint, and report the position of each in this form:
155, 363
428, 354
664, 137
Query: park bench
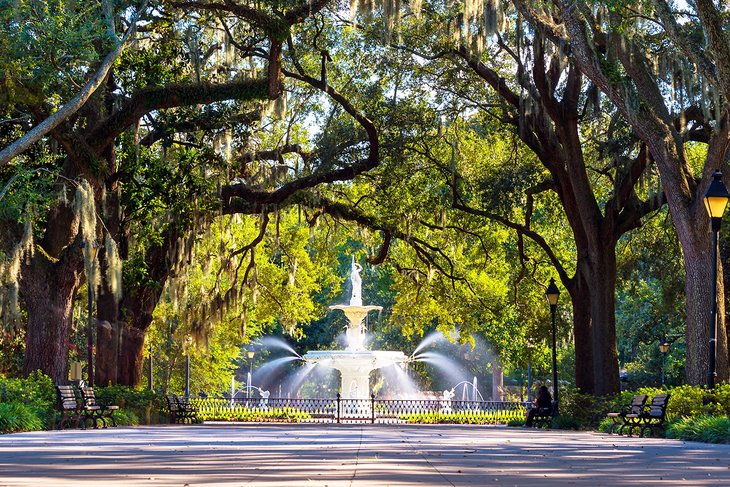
72, 409
106, 411
544, 417
650, 418
636, 407
180, 411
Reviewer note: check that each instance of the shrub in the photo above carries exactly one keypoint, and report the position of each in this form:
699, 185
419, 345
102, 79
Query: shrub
286, 414
690, 401
605, 425
143, 404
125, 417
566, 422
708, 429
18, 416
36, 392
580, 407
515, 416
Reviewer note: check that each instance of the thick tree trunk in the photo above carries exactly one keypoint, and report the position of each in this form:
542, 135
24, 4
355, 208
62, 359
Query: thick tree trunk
580, 300
698, 286
108, 347
48, 290
131, 357
603, 305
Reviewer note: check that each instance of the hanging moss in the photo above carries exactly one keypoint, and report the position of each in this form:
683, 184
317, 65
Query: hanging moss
85, 209
114, 268
10, 274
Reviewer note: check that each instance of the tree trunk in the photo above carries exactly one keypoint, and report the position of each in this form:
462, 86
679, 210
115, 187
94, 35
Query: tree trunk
698, 288
580, 300
48, 290
131, 357
603, 303
108, 347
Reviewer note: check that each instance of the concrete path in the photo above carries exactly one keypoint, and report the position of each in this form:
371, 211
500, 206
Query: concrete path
352, 455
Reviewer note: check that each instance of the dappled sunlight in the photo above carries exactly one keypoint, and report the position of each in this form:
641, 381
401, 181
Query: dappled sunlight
367, 455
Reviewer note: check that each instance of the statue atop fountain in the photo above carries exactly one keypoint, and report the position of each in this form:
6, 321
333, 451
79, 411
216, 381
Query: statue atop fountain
356, 280
355, 362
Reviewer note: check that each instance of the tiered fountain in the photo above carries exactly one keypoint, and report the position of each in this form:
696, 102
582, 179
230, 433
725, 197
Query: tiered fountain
355, 362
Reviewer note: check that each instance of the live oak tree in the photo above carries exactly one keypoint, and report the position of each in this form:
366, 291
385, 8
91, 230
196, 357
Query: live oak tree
666, 70
50, 277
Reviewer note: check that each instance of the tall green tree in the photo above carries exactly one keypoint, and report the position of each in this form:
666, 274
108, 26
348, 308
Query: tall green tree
666, 70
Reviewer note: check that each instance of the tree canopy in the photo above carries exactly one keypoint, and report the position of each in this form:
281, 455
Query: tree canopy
207, 169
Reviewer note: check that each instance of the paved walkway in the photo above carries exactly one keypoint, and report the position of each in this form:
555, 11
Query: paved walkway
352, 455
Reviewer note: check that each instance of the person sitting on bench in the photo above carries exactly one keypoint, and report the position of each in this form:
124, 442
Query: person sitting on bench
543, 406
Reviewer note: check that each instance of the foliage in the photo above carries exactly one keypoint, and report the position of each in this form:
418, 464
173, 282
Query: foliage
17, 416
135, 404
221, 411
704, 428
583, 409
127, 417
467, 417
36, 392
606, 425
566, 422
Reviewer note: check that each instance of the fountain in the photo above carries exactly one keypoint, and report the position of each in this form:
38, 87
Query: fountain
355, 362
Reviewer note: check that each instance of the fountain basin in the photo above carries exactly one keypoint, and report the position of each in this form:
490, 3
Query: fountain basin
355, 367
355, 335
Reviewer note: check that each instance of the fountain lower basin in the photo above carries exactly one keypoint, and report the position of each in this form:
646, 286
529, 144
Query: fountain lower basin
355, 367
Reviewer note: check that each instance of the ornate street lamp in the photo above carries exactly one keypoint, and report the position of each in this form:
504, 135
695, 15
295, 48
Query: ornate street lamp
663, 348
716, 199
552, 293
251, 354
188, 342
150, 381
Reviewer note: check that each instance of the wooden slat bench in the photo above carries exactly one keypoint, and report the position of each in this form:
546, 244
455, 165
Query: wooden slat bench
74, 409
106, 411
636, 407
651, 418
543, 417
180, 411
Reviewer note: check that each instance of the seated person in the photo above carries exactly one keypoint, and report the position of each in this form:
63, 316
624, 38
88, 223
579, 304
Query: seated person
543, 405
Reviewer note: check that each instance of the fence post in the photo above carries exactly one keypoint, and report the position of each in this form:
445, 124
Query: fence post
338, 407
372, 407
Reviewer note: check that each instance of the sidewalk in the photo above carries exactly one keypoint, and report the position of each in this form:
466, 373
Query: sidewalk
352, 455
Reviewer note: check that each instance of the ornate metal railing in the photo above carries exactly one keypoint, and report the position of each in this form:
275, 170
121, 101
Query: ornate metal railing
338, 410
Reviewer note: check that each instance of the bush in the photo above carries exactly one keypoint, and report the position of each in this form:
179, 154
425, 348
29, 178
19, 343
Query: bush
286, 414
605, 425
516, 422
125, 417
36, 392
708, 429
142, 404
566, 422
17, 416
581, 408
515, 416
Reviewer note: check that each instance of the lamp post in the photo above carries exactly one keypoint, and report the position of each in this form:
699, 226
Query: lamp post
188, 342
251, 353
716, 199
89, 249
552, 295
663, 348
150, 382
530, 344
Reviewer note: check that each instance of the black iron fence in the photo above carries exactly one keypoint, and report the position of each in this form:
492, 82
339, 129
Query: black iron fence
339, 410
